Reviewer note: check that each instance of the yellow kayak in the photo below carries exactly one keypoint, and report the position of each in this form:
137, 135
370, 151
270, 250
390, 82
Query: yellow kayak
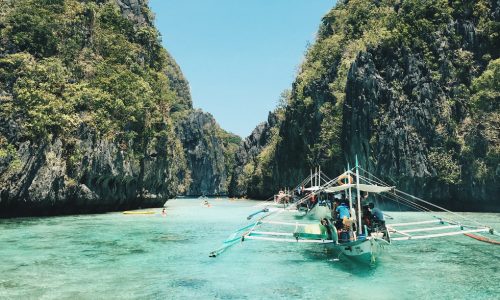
138, 212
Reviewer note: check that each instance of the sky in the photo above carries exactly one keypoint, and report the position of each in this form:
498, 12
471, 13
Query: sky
238, 55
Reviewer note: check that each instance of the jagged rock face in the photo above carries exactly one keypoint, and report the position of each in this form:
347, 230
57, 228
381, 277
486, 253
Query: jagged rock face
248, 151
392, 138
395, 128
111, 181
199, 134
179, 85
294, 156
132, 10
300, 131
105, 175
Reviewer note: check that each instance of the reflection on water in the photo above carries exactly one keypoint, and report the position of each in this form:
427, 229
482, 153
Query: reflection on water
116, 256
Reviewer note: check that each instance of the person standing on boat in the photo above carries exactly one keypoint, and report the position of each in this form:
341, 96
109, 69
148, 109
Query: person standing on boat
375, 211
335, 204
343, 212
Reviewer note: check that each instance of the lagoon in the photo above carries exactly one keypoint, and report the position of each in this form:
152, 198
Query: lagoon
116, 256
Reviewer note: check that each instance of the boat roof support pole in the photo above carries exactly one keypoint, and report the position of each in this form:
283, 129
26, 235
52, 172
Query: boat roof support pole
350, 198
360, 229
311, 177
316, 176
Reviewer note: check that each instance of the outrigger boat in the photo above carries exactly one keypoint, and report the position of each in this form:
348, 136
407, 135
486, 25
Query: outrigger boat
357, 239
288, 196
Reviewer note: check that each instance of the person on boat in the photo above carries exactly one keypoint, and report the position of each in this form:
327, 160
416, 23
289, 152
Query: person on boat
335, 204
324, 222
164, 212
375, 211
366, 215
342, 212
354, 216
344, 198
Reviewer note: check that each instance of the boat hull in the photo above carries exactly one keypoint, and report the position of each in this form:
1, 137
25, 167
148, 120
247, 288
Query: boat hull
365, 250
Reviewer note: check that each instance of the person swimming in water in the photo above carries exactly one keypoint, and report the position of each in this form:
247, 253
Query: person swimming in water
164, 212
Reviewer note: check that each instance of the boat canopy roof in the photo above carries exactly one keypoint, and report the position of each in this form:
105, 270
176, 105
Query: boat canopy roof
363, 187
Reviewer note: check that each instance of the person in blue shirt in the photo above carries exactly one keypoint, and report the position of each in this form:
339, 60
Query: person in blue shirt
376, 212
343, 211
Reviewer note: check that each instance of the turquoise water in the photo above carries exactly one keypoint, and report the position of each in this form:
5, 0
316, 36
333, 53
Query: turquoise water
116, 256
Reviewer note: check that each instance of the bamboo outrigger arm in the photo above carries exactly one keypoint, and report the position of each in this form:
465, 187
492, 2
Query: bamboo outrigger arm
251, 237
439, 234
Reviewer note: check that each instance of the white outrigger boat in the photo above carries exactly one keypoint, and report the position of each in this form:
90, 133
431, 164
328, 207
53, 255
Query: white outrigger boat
363, 240
287, 196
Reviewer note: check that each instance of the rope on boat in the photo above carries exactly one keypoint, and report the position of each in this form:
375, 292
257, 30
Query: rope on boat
410, 204
444, 209
426, 202
482, 239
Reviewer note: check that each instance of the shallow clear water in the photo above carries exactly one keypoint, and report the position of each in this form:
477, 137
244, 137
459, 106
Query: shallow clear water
116, 256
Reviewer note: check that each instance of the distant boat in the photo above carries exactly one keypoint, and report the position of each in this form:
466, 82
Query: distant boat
138, 212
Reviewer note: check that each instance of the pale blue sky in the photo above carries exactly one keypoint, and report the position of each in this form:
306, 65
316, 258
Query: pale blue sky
238, 56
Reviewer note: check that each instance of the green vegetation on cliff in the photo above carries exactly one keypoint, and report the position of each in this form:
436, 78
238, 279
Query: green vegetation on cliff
231, 142
83, 63
65, 63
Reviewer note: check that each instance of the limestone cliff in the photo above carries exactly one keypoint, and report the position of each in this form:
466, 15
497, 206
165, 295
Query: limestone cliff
70, 140
104, 178
208, 152
247, 156
138, 12
404, 123
396, 85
